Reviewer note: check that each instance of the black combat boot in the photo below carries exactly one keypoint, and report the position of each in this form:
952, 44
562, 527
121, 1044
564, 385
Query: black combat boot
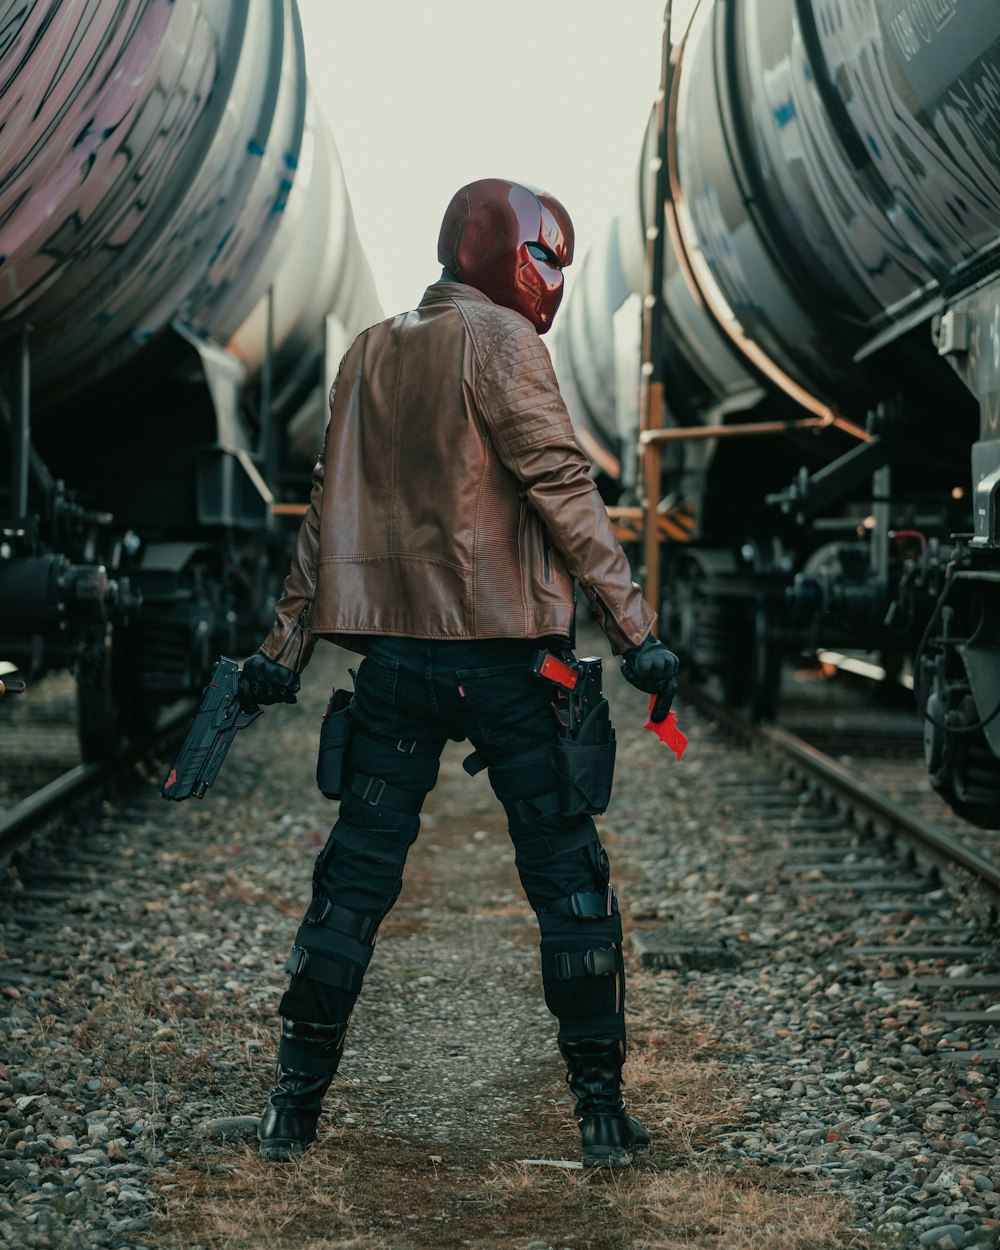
308, 1056
610, 1137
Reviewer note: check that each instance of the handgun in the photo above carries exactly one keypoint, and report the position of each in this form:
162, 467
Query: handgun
210, 736
578, 688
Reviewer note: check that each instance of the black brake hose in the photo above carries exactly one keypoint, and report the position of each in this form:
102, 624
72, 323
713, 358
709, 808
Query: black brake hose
924, 714
961, 729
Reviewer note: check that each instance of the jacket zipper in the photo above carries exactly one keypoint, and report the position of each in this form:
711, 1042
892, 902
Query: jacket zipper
297, 635
546, 560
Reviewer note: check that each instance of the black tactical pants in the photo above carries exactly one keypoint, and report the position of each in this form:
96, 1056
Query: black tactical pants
411, 697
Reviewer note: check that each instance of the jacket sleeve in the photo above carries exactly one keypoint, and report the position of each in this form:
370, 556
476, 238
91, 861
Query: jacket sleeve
289, 642
533, 436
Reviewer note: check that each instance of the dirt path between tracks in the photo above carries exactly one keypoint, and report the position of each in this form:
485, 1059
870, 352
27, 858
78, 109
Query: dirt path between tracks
450, 1124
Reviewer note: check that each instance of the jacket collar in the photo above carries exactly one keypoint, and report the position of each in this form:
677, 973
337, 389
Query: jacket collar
442, 291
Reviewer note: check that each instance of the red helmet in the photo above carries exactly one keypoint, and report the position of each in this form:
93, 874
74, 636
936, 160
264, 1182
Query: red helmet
510, 242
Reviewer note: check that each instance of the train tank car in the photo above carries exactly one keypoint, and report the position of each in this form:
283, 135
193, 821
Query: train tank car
179, 269
829, 321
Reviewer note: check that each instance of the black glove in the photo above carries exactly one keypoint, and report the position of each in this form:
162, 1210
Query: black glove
651, 667
264, 681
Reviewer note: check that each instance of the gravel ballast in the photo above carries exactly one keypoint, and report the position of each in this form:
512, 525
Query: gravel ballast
142, 973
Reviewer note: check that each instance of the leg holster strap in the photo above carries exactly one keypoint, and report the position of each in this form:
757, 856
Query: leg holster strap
597, 962
339, 975
475, 763
508, 774
584, 905
330, 915
405, 746
376, 792
330, 944
538, 850
528, 810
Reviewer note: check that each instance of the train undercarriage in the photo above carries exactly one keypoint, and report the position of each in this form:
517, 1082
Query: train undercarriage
137, 599
911, 586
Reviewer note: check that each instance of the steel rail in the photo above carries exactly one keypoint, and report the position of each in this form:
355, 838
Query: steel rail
937, 845
46, 803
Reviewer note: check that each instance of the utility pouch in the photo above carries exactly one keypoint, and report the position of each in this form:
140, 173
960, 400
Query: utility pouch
585, 765
334, 735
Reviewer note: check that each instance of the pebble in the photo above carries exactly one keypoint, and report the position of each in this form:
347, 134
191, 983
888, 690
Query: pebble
834, 1057
835, 1053
230, 1128
946, 1237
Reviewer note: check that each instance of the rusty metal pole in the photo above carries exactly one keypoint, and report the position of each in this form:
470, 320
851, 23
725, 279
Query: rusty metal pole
651, 381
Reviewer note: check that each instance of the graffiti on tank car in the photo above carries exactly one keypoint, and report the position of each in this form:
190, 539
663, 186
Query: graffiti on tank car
977, 100
981, 367
932, 51
917, 21
995, 339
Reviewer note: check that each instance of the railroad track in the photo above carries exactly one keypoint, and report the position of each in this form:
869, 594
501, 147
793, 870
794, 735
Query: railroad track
853, 824
867, 758
824, 960
43, 773
866, 745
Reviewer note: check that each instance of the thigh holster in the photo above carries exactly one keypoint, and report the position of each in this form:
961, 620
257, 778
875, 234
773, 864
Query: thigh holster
394, 774
570, 778
584, 765
334, 737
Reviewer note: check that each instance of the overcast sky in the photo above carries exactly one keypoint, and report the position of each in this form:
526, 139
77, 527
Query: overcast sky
423, 96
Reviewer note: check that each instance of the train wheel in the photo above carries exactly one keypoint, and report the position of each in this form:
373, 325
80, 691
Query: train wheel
764, 678
751, 678
972, 787
962, 768
725, 636
108, 702
697, 627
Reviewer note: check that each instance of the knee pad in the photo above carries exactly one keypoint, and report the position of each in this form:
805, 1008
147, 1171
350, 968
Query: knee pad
333, 946
362, 868
583, 976
566, 874
583, 971
356, 880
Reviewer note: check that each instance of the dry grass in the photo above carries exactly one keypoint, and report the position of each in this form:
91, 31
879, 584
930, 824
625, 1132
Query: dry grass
361, 1189
364, 1187
364, 1190
683, 1089
676, 1079
733, 1211
260, 1207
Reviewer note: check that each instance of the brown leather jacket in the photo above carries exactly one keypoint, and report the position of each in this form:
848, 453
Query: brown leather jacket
458, 504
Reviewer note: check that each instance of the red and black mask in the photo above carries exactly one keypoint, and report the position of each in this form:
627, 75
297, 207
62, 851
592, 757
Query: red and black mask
510, 242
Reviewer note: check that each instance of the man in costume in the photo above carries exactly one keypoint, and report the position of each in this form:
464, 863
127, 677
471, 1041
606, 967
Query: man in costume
452, 514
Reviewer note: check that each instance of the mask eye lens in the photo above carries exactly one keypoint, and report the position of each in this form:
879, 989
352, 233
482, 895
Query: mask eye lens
541, 252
